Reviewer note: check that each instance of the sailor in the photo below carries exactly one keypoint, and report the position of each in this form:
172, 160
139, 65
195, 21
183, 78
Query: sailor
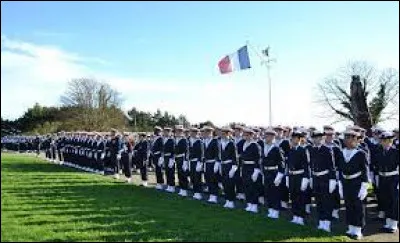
298, 179
196, 155
158, 159
307, 143
337, 158
353, 184
228, 166
182, 160
274, 171
143, 153
323, 180
239, 141
388, 181
212, 161
169, 159
115, 152
260, 186
251, 171
284, 145
396, 140
61, 146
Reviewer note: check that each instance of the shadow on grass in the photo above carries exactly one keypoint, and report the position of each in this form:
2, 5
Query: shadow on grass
118, 211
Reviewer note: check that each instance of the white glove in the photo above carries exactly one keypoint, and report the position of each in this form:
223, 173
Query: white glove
304, 184
216, 167
363, 191
102, 155
160, 161
95, 156
278, 179
311, 183
340, 189
118, 157
332, 185
171, 163
185, 165
232, 171
199, 166
377, 180
255, 174
287, 181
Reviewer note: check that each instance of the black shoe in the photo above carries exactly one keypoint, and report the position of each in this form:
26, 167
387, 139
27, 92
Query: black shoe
387, 230
355, 237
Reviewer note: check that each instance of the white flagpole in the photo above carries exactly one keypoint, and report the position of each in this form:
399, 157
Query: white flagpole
267, 64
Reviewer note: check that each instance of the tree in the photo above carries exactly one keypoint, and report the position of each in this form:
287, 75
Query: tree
93, 105
360, 93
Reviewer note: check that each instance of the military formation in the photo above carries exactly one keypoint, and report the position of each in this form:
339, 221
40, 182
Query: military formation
265, 167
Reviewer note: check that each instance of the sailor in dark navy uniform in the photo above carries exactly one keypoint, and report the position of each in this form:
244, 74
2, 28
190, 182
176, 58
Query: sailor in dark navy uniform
158, 159
284, 145
228, 166
323, 179
274, 171
115, 152
212, 160
353, 184
143, 153
251, 171
99, 153
61, 146
388, 181
337, 158
169, 160
182, 160
298, 179
196, 155
239, 141
260, 185
306, 142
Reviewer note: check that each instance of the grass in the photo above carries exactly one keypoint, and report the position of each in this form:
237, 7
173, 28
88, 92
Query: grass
47, 202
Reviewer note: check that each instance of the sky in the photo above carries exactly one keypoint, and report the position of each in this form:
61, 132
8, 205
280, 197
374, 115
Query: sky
165, 54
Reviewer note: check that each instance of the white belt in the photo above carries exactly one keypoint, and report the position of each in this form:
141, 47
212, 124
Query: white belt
322, 173
99, 150
194, 160
296, 172
210, 161
158, 152
271, 167
249, 162
353, 176
179, 155
226, 161
168, 154
387, 174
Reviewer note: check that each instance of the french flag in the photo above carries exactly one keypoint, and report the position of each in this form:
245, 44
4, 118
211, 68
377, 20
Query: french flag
234, 62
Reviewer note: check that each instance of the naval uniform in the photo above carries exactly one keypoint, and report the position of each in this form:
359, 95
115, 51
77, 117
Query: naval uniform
156, 151
239, 141
168, 152
212, 155
353, 172
323, 174
115, 150
181, 157
297, 164
272, 164
388, 171
143, 153
251, 158
196, 155
228, 161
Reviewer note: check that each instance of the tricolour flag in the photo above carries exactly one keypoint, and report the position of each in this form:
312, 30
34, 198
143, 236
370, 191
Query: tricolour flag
235, 61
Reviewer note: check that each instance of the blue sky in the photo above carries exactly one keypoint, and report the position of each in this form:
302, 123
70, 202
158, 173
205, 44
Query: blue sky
165, 54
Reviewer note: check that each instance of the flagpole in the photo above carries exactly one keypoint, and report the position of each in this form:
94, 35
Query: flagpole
267, 64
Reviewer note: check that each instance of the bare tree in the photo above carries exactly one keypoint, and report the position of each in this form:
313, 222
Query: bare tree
358, 90
97, 105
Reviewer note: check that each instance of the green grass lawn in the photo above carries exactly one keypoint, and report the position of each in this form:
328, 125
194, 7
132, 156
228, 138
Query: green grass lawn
47, 202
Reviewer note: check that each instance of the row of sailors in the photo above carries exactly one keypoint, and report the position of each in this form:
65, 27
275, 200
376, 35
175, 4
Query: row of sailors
274, 168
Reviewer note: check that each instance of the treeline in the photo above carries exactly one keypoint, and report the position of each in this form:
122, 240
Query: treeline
88, 105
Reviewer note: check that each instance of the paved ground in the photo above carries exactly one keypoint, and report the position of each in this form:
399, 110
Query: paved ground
371, 232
